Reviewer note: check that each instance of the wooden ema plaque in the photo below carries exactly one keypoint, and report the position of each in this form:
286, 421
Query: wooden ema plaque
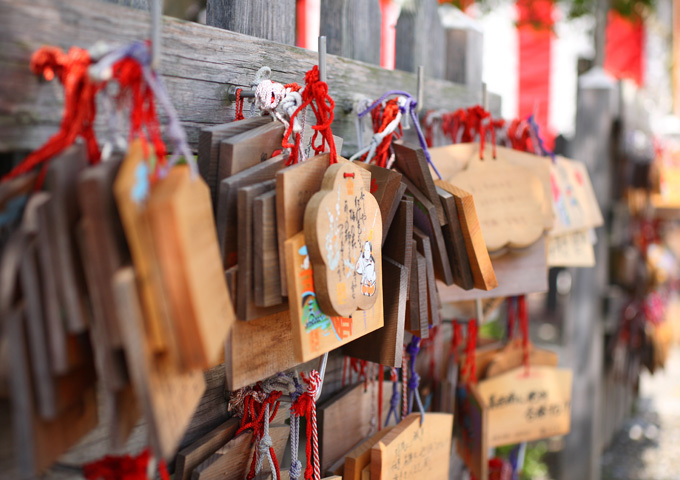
182, 226
343, 233
314, 332
387, 189
411, 450
249, 148
455, 241
520, 407
360, 457
168, 398
266, 264
573, 249
192, 456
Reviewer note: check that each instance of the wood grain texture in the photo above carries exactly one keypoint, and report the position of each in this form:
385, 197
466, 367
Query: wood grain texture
360, 457
295, 186
266, 265
398, 241
259, 18
464, 53
425, 218
417, 317
350, 29
385, 345
193, 68
420, 39
340, 431
512, 356
245, 305
425, 249
247, 149
168, 398
387, 189
480, 262
190, 457
455, 241
209, 139
227, 204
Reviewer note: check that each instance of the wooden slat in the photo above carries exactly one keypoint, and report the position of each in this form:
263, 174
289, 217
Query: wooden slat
266, 264
261, 18
197, 61
420, 39
190, 457
352, 28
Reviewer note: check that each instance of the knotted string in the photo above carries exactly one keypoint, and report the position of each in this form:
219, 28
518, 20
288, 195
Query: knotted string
79, 107
123, 467
412, 349
535, 132
305, 405
404, 384
386, 127
408, 109
394, 399
238, 115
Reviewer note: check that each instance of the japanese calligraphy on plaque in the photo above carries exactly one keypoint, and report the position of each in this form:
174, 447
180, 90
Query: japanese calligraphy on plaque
343, 232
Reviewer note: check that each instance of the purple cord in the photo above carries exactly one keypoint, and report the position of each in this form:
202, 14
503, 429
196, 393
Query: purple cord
534, 130
394, 403
413, 103
412, 349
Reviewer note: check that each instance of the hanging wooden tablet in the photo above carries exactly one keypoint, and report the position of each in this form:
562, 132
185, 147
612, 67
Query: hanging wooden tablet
512, 356
384, 346
314, 332
209, 148
387, 189
424, 217
227, 204
61, 181
295, 186
424, 248
42, 441
416, 317
259, 349
355, 427
245, 304
573, 249
192, 456
414, 450
131, 190
180, 216
483, 274
343, 233
509, 199
411, 161
455, 241
523, 407
398, 241
168, 398
360, 457
266, 265
247, 149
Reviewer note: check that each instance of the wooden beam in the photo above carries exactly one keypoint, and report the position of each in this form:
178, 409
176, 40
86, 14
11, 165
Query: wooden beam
351, 28
198, 61
273, 21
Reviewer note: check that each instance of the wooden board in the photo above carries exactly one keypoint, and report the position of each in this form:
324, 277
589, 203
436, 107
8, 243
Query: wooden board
483, 274
258, 349
190, 457
398, 242
245, 305
168, 398
61, 182
417, 311
512, 356
385, 346
266, 264
411, 161
315, 333
411, 450
130, 190
209, 139
180, 216
249, 148
517, 272
343, 234
227, 210
424, 248
334, 418
573, 249
360, 457
387, 189
295, 186
425, 218
524, 408
455, 241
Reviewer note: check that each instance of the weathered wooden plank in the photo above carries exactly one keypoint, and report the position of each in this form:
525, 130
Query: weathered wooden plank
352, 28
260, 18
420, 39
197, 63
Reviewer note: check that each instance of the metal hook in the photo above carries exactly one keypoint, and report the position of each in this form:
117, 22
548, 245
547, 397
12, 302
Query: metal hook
156, 25
420, 92
322, 59
321, 368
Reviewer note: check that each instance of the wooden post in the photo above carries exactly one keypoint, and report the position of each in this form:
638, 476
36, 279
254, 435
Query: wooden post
464, 48
259, 18
420, 39
583, 322
352, 28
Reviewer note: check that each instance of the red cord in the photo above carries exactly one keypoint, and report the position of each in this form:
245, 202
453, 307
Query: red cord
470, 360
123, 468
381, 119
239, 105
